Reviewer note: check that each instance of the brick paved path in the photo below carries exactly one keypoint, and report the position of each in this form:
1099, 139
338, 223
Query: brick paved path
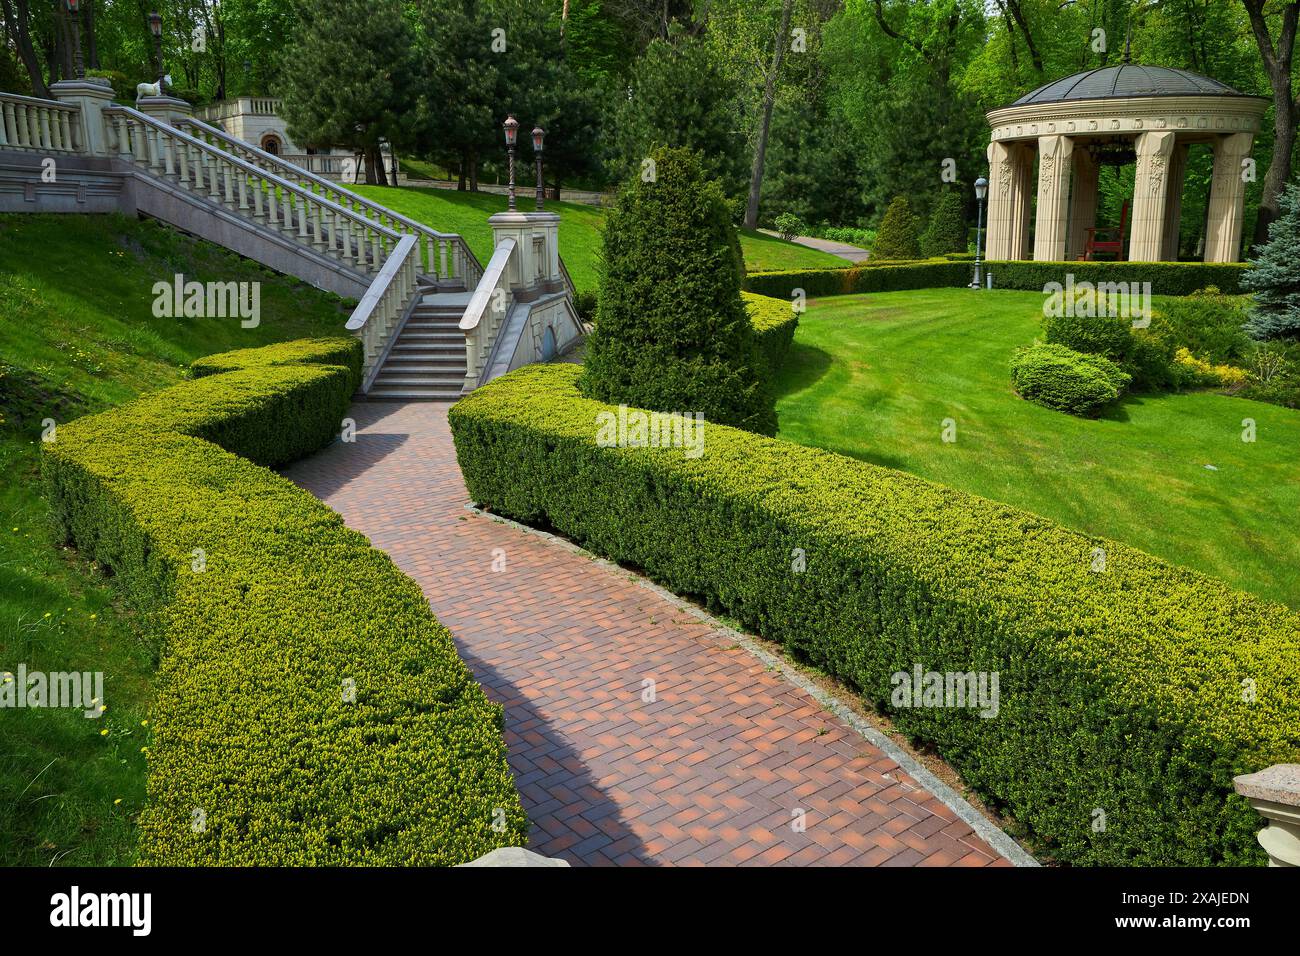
710, 772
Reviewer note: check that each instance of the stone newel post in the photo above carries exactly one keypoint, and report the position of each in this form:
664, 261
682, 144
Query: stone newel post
90, 97
1275, 793
165, 109
535, 270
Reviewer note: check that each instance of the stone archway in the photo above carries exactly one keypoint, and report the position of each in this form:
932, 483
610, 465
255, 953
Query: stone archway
1049, 145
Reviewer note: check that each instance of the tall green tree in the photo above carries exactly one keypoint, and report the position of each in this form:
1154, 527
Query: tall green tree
345, 79
680, 95
1275, 278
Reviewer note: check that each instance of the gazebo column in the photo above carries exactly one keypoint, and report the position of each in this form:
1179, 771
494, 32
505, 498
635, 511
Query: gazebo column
1227, 198
1052, 225
1083, 202
1174, 201
1008, 201
1150, 192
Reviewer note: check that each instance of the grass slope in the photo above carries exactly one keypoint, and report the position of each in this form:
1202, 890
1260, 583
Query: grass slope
77, 334
875, 376
467, 213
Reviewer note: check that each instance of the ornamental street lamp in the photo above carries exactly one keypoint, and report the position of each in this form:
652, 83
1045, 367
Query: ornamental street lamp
155, 27
511, 126
539, 135
74, 14
981, 190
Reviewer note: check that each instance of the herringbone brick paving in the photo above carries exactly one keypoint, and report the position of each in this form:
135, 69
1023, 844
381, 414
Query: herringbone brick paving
709, 772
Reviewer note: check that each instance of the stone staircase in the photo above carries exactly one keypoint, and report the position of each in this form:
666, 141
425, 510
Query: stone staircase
427, 358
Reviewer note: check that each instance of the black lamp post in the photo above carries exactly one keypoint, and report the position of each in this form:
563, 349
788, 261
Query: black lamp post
155, 27
981, 190
539, 135
74, 14
511, 126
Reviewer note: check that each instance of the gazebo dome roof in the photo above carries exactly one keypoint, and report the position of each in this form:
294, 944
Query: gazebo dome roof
1124, 81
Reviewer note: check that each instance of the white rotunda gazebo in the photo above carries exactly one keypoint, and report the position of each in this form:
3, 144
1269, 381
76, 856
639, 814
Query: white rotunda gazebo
1066, 130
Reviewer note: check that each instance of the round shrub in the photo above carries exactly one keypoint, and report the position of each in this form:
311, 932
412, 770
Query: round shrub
1108, 336
1061, 378
672, 333
896, 238
789, 225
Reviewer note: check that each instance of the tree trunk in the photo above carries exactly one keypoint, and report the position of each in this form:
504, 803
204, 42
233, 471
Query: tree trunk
473, 170
460, 170
370, 166
769, 100
17, 20
1277, 66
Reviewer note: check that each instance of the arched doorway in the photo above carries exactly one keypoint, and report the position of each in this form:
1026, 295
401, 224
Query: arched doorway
272, 144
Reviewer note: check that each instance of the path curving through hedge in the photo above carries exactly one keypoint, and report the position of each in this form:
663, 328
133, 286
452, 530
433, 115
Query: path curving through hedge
709, 764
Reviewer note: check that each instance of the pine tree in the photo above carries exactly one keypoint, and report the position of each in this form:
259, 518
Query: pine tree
946, 231
672, 333
1275, 278
344, 81
896, 238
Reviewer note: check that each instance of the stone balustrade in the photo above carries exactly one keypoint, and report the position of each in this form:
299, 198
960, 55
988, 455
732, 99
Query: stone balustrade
487, 310
43, 126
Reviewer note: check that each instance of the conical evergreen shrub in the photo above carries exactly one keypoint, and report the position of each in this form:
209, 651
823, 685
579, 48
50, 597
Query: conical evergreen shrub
896, 238
946, 231
1275, 278
672, 333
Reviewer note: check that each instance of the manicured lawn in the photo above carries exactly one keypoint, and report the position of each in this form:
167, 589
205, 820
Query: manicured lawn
77, 334
466, 213
875, 376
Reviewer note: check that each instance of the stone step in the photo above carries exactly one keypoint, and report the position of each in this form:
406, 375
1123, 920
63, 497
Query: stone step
419, 324
411, 371
430, 338
434, 348
444, 380
379, 394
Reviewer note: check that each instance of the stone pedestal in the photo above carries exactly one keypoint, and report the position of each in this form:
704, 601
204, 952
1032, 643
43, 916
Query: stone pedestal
90, 96
1227, 198
535, 270
1275, 793
165, 109
1150, 196
1054, 162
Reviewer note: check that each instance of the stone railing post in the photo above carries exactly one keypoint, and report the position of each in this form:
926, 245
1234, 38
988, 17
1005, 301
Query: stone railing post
165, 109
1275, 793
535, 270
90, 96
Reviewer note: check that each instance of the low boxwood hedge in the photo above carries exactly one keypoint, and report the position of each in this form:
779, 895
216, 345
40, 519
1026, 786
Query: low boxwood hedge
774, 322
1129, 695
269, 614
1166, 278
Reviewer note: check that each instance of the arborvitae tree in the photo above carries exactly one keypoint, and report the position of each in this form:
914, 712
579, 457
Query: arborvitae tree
946, 231
672, 333
896, 237
1275, 278
344, 82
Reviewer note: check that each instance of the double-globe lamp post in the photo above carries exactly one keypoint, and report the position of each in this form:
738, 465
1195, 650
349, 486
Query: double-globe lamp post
981, 190
511, 127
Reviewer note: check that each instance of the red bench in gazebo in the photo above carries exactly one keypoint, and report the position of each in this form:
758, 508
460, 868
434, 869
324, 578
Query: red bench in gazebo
1109, 241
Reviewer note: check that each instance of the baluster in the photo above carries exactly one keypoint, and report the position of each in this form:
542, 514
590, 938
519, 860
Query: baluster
302, 218
228, 183
214, 184
156, 149
65, 130
258, 189
168, 147
56, 131
362, 231
442, 259
288, 213
9, 127
377, 255
123, 137
317, 214
33, 127
243, 193
47, 140
183, 164
346, 230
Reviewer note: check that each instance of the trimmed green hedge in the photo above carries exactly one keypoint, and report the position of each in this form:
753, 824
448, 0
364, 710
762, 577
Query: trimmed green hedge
774, 322
1120, 690
261, 636
1166, 278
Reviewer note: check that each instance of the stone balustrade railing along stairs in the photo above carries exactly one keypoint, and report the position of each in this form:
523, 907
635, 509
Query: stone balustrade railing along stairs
433, 322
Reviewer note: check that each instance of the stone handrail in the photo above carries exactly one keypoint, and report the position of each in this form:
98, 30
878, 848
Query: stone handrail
487, 309
342, 234
376, 315
300, 214
44, 125
445, 255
